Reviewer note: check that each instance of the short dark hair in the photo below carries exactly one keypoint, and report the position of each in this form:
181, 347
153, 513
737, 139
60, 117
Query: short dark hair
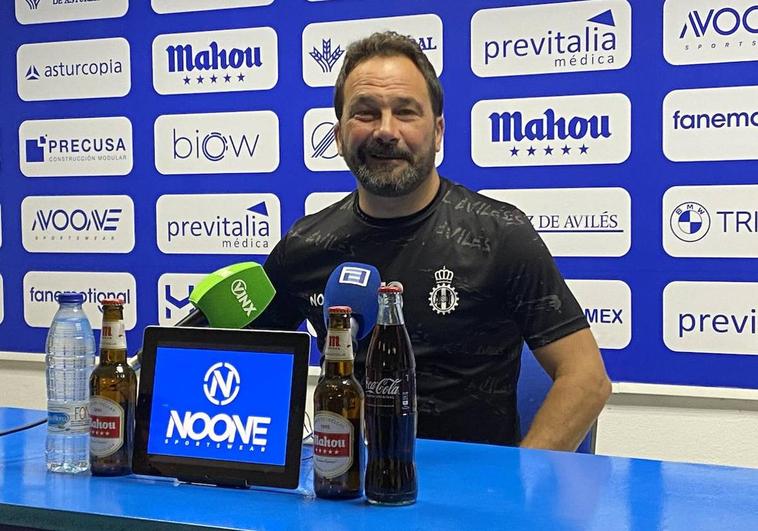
387, 44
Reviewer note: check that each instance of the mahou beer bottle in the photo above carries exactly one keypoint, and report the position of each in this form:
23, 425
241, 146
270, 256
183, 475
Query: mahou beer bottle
338, 416
391, 406
113, 396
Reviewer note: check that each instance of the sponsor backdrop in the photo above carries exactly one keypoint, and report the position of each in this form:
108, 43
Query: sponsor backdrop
144, 144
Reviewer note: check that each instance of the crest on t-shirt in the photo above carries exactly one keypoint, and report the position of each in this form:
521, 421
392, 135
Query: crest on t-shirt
443, 298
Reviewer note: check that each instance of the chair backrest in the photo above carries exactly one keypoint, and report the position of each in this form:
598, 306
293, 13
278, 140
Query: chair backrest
533, 386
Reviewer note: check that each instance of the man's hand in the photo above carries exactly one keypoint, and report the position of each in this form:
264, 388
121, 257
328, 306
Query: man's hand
580, 389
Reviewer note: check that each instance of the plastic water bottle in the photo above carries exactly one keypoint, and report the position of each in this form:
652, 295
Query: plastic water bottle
70, 359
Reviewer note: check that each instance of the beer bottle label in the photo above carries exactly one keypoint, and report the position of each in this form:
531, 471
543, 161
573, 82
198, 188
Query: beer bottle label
112, 335
332, 444
339, 345
106, 427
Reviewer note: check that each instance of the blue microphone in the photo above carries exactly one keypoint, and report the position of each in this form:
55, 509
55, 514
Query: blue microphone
355, 285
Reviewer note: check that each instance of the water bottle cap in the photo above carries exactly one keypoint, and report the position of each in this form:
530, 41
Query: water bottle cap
70, 296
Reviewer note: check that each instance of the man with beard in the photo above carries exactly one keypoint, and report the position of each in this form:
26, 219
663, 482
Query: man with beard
479, 281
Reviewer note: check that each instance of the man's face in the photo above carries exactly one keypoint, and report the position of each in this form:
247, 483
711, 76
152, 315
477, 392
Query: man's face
387, 133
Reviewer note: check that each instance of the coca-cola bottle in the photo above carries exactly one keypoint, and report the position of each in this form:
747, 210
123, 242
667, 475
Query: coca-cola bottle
390, 406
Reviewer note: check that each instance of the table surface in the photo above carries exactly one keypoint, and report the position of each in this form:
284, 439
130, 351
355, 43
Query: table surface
461, 486
13, 418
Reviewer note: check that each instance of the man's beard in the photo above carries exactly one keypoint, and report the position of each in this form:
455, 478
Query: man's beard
384, 179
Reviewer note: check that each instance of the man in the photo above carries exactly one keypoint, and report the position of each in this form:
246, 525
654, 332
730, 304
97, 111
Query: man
478, 279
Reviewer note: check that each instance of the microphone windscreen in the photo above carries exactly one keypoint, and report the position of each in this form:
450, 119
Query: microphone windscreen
233, 296
356, 285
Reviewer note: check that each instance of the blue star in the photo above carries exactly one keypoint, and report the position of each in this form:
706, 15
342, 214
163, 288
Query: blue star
583, 149
241, 77
199, 79
213, 78
565, 149
548, 150
531, 151
514, 152
186, 80
227, 77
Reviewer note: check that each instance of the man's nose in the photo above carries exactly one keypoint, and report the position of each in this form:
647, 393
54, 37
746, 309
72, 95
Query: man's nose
386, 130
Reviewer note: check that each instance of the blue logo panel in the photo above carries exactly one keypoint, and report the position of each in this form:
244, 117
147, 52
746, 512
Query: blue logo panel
221, 404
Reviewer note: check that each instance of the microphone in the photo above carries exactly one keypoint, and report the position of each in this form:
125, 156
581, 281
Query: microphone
231, 297
356, 285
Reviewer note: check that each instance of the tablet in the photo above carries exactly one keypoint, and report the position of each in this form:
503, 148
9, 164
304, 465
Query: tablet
222, 406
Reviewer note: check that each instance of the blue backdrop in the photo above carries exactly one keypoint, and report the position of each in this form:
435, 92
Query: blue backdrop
646, 174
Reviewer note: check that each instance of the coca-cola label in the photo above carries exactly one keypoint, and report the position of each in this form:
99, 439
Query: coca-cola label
339, 346
106, 426
112, 335
67, 417
332, 444
394, 392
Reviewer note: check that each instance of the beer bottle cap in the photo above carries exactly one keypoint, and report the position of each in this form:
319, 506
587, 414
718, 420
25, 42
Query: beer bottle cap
112, 302
340, 309
391, 289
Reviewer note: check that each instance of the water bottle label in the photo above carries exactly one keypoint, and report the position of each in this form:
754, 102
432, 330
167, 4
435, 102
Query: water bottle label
332, 444
112, 335
106, 426
67, 417
339, 346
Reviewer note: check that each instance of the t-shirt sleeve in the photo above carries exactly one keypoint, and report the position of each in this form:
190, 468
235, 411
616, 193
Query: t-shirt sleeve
283, 312
537, 296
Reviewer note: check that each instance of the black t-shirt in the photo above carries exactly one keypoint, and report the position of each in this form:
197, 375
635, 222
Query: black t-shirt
478, 282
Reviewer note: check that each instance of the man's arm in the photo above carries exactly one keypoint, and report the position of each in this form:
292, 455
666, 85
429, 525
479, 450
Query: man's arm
579, 391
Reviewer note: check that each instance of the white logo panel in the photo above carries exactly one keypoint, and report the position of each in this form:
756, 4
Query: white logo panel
320, 146
318, 201
551, 38
78, 224
711, 317
173, 296
562, 130
218, 223
227, 142
41, 288
711, 124
576, 221
40, 11
710, 31
324, 43
607, 305
172, 6
711, 221
97, 68
215, 61
79, 146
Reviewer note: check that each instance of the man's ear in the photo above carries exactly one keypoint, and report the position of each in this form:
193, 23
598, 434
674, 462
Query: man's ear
439, 130
337, 137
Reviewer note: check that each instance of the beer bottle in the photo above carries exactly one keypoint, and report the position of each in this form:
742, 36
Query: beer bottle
113, 397
338, 456
391, 406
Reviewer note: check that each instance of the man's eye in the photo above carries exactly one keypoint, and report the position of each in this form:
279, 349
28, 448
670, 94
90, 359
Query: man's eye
363, 115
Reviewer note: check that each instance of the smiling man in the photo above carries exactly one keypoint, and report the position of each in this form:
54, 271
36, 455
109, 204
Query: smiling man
479, 282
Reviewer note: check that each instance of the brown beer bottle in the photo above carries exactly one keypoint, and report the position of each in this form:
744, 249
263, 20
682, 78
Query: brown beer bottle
113, 397
338, 456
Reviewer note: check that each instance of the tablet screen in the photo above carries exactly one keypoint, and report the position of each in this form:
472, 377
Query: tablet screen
221, 405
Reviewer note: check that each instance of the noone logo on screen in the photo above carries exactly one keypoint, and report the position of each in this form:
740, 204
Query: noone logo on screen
213, 146
221, 379
725, 22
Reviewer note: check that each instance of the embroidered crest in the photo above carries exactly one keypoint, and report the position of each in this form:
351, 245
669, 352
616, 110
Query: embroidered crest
443, 298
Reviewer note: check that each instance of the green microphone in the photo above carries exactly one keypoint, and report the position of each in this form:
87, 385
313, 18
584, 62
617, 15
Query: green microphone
231, 297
